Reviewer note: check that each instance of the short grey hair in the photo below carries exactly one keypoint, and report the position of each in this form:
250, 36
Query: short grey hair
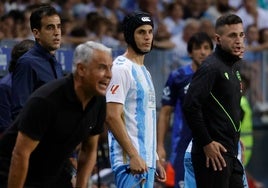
84, 52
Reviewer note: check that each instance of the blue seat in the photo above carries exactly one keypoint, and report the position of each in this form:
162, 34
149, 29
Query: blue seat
5, 55
65, 58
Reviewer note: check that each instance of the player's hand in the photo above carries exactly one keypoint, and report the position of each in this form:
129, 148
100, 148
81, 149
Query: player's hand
213, 155
160, 173
137, 165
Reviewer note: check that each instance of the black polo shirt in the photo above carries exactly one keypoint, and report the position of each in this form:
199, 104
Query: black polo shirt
54, 116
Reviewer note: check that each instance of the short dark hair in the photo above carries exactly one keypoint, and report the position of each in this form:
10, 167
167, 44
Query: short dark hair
198, 39
39, 13
227, 19
17, 51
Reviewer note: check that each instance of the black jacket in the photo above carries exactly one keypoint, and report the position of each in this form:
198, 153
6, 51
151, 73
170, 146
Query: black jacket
212, 103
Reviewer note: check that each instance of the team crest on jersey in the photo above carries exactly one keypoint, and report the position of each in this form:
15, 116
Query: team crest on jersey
166, 91
238, 76
114, 89
240, 80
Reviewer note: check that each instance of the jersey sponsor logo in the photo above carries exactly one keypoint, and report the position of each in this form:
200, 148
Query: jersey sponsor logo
151, 99
114, 88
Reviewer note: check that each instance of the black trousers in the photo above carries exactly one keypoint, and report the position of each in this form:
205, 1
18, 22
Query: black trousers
230, 176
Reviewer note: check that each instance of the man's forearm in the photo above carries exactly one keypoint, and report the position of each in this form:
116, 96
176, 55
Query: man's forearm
162, 128
86, 160
85, 168
18, 171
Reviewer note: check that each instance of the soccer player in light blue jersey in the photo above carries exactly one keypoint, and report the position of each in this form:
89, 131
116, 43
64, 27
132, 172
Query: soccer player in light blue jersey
131, 109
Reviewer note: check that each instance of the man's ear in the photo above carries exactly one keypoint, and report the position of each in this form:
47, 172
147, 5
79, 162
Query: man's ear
36, 33
217, 38
80, 68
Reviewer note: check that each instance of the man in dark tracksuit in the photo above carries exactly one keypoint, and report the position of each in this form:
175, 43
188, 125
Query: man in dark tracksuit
212, 110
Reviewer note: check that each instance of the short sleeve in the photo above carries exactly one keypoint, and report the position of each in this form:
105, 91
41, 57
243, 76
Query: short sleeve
119, 85
35, 118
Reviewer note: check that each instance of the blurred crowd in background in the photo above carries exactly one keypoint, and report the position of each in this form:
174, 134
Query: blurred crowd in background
175, 21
